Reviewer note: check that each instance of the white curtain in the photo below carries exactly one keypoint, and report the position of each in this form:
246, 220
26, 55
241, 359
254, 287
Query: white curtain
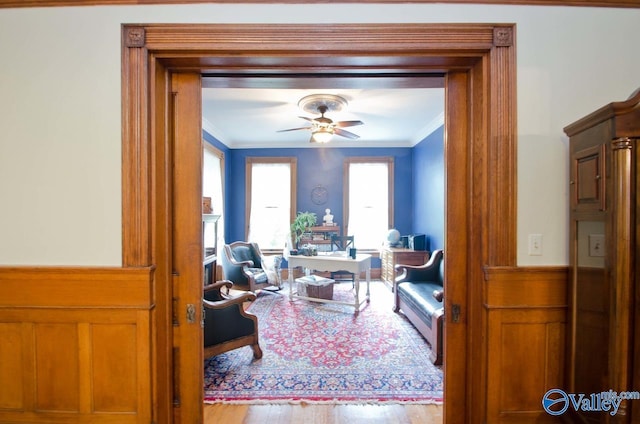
269, 220
212, 187
368, 204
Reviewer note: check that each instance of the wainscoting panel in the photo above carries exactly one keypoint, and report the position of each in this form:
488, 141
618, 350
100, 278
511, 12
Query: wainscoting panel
526, 313
76, 345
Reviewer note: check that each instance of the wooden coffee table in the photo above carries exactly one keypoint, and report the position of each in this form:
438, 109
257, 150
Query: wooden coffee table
333, 262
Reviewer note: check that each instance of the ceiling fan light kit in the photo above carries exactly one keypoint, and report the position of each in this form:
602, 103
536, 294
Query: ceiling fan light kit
321, 136
323, 128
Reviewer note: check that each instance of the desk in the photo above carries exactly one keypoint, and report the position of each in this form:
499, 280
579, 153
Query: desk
332, 262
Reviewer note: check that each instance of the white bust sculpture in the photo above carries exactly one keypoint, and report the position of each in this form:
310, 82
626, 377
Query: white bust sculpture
328, 217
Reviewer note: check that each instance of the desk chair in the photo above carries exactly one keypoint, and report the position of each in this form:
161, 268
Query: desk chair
341, 243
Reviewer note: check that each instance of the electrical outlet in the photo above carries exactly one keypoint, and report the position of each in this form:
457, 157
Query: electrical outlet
535, 244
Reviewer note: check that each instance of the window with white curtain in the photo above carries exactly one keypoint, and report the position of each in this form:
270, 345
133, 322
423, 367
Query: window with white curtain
212, 186
271, 201
369, 204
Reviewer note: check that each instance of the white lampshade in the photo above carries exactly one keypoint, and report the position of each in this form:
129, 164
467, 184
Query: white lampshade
322, 135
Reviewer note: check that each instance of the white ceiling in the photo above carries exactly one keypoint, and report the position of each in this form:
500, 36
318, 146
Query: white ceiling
252, 117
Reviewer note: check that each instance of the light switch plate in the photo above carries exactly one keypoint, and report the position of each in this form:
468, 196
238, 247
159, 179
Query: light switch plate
596, 245
535, 244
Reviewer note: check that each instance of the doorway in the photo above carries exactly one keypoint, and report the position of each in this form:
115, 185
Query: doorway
162, 65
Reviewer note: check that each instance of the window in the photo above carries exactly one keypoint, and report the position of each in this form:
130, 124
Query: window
213, 186
368, 200
271, 200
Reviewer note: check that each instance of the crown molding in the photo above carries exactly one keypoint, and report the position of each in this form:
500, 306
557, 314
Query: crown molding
428, 129
214, 131
55, 3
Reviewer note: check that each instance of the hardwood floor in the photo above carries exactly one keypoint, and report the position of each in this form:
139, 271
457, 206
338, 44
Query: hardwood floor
325, 414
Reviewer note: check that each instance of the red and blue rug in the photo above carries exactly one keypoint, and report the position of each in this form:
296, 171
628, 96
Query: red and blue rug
324, 353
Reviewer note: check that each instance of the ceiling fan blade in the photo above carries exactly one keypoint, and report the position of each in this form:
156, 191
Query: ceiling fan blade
342, 124
306, 118
346, 134
295, 129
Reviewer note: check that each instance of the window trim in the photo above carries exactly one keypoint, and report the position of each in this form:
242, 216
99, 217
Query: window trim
389, 160
249, 162
222, 221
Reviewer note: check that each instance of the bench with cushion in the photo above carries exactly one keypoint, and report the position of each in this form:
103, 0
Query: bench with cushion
419, 295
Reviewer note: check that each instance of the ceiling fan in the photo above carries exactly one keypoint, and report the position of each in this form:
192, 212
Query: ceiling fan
323, 128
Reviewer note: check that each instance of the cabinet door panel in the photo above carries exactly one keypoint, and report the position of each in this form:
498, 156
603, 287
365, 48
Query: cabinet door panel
588, 179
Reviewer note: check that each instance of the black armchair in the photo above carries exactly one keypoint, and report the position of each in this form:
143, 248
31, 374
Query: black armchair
227, 325
242, 264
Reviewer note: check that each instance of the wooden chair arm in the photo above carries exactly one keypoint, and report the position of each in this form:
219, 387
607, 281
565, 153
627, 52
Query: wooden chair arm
217, 288
240, 263
229, 301
426, 272
218, 285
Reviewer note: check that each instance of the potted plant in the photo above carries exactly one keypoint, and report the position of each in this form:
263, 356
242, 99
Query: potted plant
302, 224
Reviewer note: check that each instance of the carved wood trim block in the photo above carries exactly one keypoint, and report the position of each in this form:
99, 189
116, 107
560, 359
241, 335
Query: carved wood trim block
503, 36
134, 37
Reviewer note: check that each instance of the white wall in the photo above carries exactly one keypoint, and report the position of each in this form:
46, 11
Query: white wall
60, 111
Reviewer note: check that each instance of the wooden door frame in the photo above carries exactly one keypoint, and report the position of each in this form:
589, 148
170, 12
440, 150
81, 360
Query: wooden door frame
480, 154
584, 3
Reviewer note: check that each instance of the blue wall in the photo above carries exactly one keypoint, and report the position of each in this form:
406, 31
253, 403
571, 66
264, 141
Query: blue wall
320, 166
428, 188
419, 183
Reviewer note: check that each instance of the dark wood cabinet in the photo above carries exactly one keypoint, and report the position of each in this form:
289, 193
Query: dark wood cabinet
603, 343
391, 256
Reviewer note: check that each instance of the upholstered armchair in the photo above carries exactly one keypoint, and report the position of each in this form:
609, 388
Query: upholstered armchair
248, 269
227, 325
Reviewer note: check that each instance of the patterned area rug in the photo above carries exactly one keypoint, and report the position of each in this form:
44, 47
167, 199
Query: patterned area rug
324, 353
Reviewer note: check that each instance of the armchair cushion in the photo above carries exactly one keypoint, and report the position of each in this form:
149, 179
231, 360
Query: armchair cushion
419, 297
259, 276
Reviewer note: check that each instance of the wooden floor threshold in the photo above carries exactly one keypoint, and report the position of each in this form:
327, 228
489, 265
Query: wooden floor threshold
325, 414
